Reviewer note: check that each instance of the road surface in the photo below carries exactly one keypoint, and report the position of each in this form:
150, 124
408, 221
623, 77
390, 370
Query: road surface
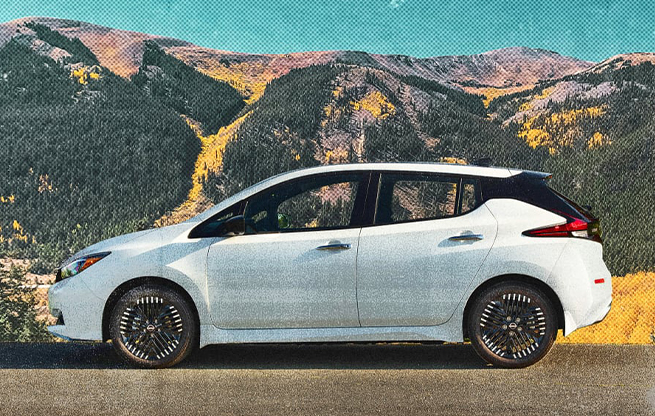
76, 379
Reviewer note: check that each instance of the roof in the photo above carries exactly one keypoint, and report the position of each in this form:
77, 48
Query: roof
427, 167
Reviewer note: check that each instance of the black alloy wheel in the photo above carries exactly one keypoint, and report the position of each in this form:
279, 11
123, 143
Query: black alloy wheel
152, 326
512, 325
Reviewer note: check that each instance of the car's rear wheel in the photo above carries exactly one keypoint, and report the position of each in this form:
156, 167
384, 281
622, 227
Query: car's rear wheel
512, 325
152, 326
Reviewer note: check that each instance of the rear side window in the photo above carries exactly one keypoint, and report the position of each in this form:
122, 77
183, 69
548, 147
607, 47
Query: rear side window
415, 197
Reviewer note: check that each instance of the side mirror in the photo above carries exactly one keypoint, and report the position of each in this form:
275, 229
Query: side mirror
234, 226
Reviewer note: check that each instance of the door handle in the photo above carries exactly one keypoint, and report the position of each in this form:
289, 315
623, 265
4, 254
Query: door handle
466, 237
334, 245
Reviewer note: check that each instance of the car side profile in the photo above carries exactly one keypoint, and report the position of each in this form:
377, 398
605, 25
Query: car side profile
349, 253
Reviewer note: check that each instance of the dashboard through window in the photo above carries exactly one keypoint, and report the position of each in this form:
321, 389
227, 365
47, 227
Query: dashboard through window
415, 197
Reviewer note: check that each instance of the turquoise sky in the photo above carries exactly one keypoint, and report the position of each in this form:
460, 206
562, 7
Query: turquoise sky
592, 30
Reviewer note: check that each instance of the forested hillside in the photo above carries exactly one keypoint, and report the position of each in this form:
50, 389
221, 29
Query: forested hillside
85, 154
599, 130
185, 90
90, 154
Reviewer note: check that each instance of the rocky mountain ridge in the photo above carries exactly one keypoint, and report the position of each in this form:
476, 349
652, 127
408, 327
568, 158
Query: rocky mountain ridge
121, 51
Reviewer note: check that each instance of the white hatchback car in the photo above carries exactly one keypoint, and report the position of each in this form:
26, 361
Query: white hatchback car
342, 253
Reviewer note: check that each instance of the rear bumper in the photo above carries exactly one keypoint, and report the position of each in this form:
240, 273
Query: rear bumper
571, 325
583, 284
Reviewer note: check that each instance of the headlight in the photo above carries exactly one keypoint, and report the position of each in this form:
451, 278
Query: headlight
78, 265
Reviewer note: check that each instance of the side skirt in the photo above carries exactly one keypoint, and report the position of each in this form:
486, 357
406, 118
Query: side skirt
449, 332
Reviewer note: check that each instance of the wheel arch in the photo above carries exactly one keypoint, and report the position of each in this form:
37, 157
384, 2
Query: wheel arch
539, 284
140, 281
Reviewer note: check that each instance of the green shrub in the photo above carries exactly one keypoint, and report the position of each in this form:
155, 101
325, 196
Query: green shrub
18, 321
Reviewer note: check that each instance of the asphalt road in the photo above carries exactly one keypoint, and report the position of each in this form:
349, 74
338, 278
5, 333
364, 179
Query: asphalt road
327, 379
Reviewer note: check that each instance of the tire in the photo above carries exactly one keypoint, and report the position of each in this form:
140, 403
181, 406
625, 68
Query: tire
152, 326
512, 325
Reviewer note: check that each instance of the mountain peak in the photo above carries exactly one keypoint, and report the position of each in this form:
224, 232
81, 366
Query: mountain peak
521, 51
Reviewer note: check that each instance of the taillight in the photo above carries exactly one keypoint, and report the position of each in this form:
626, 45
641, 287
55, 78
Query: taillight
574, 227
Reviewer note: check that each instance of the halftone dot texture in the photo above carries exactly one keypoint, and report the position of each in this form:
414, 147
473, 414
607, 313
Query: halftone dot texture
587, 30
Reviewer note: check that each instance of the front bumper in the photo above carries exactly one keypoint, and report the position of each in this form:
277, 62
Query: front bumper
80, 308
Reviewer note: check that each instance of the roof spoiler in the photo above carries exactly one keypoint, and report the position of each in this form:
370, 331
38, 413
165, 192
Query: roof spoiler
533, 174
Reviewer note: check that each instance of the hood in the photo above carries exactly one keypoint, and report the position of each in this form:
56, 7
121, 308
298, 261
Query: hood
155, 234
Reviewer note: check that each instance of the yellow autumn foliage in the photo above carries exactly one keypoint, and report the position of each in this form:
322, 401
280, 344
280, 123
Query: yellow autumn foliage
250, 79
491, 93
452, 160
597, 140
375, 103
632, 318
8, 199
209, 159
45, 184
545, 93
85, 73
211, 153
19, 233
539, 136
528, 105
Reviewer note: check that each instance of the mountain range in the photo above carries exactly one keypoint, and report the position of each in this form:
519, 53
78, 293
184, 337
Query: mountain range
106, 131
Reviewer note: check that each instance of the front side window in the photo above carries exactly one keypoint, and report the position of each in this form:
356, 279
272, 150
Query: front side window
215, 226
414, 197
322, 202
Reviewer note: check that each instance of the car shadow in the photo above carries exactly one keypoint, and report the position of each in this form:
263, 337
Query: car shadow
252, 356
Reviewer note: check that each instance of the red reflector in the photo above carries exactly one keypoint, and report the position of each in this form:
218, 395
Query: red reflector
599, 281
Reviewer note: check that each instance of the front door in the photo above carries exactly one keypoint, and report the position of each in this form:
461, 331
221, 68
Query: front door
295, 266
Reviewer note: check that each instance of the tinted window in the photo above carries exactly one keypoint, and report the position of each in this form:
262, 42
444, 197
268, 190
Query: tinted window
405, 197
322, 202
469, 196
214, 226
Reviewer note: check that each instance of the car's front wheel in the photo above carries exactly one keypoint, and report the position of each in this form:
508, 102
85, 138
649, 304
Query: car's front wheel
512, 325
152, 326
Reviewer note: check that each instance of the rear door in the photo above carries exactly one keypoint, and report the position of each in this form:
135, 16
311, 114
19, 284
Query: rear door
429, 238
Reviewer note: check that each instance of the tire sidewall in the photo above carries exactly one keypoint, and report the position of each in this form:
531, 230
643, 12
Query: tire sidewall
187, 340
495, 292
